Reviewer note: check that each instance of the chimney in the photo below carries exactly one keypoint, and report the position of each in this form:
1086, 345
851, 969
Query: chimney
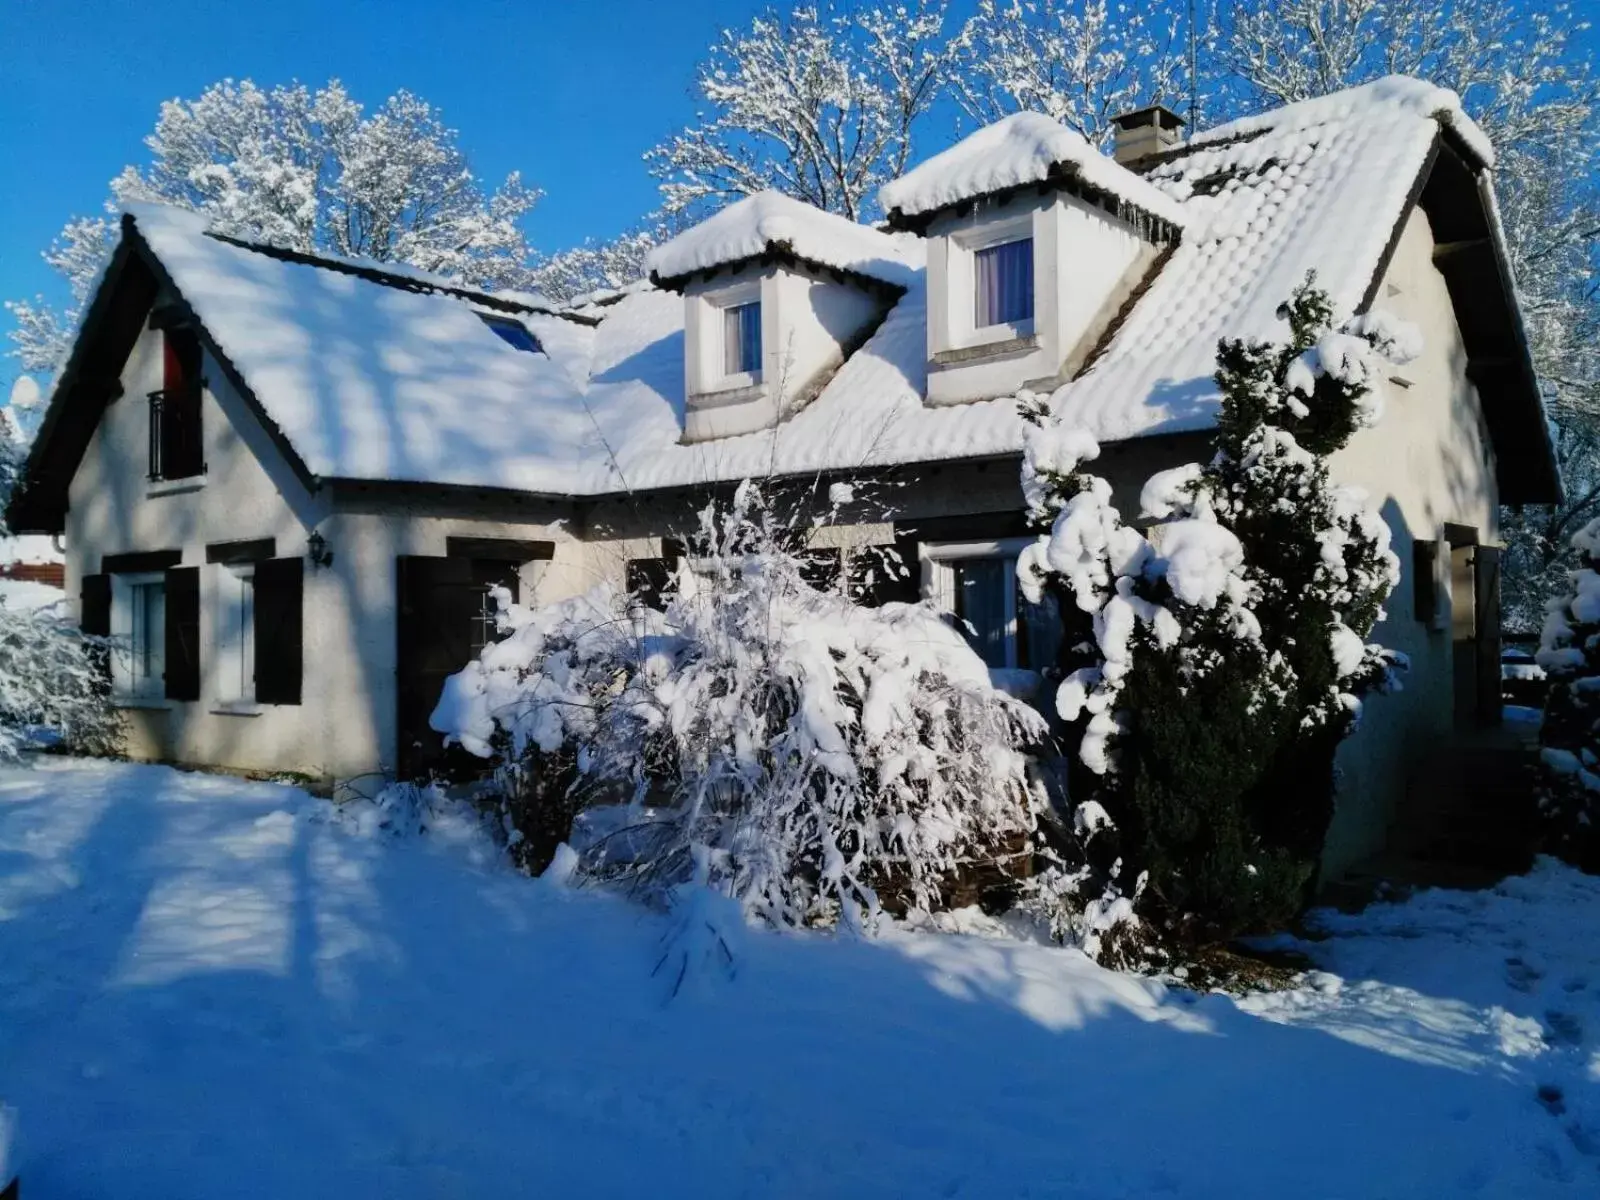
1145, 131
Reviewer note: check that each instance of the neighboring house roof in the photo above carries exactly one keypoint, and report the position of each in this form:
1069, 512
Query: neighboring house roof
772, 224
371, 378
1024, 148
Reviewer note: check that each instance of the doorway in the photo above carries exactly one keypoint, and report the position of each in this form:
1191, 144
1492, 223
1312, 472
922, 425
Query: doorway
445, 617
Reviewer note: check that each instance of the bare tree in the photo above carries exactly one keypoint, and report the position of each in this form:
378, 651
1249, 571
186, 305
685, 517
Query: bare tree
1081, 62
820, 104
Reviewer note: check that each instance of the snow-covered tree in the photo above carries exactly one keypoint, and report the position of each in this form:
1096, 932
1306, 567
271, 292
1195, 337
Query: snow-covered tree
307, 170
1221, 659
817, 760
818, 103
1569, 652
1080, 62
52, 677
596, 266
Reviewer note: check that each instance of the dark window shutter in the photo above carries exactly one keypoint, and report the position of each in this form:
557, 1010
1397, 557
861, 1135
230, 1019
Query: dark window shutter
279, 593
1425, 581
94, 615
820, 568
887, 574
1486, 586
177, 443
183, 633
647, 579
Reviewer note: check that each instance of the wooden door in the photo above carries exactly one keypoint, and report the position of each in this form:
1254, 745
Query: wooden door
444, 619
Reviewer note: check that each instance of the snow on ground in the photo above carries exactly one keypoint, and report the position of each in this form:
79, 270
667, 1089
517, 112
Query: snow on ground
210, 987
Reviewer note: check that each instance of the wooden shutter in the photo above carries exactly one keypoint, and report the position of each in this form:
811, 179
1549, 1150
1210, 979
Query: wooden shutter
1425, 582
94, 614
1486, 610
183, 633
181, 449
878, 578
820, 568
280, 653
94, 617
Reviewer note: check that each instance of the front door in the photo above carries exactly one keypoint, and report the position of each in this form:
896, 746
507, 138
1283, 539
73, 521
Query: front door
445, 617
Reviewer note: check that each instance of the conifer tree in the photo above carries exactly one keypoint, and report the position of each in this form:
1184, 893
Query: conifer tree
1223, 657
1569, 791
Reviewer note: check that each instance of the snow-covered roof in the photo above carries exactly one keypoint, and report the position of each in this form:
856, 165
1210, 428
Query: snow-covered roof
771, 222
1025, 147
373, 382
370, 381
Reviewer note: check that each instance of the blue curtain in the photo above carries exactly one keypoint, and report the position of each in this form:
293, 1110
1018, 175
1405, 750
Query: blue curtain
741, 339
1004, 283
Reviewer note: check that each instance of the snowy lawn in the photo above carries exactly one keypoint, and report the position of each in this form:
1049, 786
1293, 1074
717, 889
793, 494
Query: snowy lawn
209, 988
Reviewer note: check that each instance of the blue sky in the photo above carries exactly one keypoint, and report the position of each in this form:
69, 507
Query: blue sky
569, 93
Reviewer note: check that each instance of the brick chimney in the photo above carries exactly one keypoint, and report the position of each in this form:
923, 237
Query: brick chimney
1145, 131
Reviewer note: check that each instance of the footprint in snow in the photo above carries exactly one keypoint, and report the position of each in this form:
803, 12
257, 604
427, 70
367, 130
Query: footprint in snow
1565, 1028
1522, 975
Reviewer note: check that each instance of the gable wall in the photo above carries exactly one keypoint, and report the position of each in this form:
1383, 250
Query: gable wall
1426, 463
344, 726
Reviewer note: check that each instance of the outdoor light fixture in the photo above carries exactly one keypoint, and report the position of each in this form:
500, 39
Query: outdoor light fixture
317, 550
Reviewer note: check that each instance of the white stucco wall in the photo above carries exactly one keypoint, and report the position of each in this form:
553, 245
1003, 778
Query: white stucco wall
805, 323
344, 725
1082, 262
1426, 464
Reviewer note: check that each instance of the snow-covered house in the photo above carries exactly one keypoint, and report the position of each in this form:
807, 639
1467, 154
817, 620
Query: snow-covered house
285, 480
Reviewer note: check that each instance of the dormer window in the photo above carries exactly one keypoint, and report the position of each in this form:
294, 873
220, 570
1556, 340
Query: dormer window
513, 333
741, 339
1003, 275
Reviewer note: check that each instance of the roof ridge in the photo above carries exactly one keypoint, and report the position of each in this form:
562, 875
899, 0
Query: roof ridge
376, 272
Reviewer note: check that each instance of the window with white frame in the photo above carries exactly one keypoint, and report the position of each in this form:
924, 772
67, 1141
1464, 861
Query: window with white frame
139, 632
741, 339
236, 633
976, 583
1002, 277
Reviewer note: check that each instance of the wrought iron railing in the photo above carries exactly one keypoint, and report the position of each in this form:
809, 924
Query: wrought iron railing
176, 449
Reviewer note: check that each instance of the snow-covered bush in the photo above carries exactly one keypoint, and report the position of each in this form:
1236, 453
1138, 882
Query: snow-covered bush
1221, 658
812, 758
53, 678
1569, 652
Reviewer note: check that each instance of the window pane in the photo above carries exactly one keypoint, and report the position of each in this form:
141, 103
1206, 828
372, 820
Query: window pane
741, 339
149, 637
981, 606
1004, 279
1038, 632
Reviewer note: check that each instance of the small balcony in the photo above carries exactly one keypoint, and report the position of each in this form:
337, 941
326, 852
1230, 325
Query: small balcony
177, 450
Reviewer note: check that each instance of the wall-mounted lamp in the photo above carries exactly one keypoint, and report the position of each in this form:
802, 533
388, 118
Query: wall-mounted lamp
317, 550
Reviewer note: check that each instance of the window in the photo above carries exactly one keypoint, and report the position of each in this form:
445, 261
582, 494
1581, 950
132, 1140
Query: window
741, 339
139, 626
176, 449
977, 584
1003, 279
513, 333
236, 634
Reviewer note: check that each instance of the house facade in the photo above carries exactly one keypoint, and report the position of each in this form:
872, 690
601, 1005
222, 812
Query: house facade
285, 482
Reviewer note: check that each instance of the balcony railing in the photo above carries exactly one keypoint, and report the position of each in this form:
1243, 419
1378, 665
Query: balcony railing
176, 448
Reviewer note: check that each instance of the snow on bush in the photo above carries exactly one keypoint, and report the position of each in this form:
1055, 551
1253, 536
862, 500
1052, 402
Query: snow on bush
53, 679
813, 759
1569, 652
52, 683
1222, 657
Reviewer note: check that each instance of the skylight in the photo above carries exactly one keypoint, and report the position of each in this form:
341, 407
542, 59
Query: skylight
512, 333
